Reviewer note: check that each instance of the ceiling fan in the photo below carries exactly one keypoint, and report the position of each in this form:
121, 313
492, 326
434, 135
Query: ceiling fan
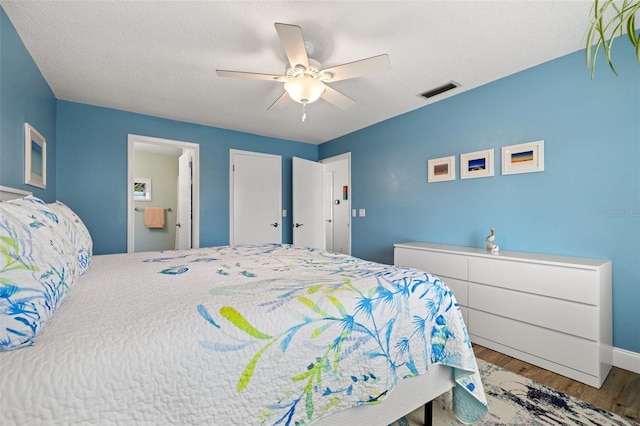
305, 80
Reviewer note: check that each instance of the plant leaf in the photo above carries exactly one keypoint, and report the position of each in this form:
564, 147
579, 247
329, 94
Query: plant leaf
309, 400
604, 31
205, 314
303, 376
318, 331
338, 305
314, 288
315, 308
247, 373
236, 318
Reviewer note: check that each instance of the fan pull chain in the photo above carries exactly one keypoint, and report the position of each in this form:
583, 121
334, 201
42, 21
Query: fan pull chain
304, 111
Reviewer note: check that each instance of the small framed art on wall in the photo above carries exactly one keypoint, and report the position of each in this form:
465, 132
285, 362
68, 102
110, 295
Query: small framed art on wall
142, 189
523, 158
476, 164
441, 169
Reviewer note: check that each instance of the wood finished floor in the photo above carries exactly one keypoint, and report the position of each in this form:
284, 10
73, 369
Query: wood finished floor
620, 393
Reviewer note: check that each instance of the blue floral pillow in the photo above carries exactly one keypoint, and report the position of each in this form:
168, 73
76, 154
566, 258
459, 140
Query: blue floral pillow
77, 232
38, 266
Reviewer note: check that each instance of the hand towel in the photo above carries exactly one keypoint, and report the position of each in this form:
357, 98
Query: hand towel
154, 217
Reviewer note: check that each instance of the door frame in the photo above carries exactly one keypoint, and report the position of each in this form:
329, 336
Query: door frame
340, 157
195, 183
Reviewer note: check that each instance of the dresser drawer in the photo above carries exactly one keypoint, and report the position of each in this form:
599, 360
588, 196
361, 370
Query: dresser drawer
555, 314
580, 285
459, 288
465, 316
569, 351
552, 311
440, 264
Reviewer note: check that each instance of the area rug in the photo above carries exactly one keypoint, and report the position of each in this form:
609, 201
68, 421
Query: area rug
516, 400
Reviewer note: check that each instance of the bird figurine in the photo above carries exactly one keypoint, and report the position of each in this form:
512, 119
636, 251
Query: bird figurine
490, 246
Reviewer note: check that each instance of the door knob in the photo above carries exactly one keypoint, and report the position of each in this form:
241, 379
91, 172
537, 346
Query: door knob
298, 225
178, 225
275, 224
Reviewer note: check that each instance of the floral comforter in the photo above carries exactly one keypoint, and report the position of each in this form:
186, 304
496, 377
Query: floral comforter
263, 334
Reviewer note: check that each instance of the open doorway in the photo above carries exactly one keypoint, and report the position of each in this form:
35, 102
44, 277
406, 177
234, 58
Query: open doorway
163, 175
336, 183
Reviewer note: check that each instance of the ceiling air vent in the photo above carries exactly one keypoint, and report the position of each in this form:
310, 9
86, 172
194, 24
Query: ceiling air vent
438, 90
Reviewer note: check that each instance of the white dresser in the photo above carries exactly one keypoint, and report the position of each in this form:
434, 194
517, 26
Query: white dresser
551, 311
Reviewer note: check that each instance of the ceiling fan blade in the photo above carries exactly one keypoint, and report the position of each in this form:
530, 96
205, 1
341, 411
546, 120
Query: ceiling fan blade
293, 44
281, 102
338, 99
251, 75
359, 68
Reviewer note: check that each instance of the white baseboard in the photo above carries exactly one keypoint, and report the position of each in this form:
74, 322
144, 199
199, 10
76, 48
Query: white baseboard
626, 360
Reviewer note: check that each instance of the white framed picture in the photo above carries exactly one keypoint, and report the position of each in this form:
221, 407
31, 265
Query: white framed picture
523, 158
142, 189
476, 164
35, 157
441, 169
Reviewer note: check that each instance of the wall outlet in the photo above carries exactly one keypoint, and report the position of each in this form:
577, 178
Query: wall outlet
284, 213
361, 213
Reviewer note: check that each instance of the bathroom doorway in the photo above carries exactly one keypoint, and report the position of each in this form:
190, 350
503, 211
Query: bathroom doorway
163, 176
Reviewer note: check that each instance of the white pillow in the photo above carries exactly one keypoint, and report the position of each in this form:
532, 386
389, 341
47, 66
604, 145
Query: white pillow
38, 266
76, 231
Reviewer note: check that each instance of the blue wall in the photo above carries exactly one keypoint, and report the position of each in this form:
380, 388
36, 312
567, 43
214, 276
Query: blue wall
92, 169
25, 96
586, 203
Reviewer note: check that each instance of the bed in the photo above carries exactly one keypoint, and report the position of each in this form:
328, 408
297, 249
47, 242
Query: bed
257, 334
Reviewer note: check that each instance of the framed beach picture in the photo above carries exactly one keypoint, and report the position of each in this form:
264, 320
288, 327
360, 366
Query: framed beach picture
142, 189
476, 164
523, 158
441, 169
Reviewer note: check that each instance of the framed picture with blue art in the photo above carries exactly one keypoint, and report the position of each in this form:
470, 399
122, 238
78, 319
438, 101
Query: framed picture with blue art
142, 189
523, 158
476, 164
35, 157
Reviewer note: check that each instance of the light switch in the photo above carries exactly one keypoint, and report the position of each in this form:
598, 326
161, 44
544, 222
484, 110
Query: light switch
284, 213
361, 213
353, 213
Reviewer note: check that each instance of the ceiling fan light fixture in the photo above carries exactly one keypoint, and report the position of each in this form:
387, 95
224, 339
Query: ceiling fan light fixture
304, 78
304, 89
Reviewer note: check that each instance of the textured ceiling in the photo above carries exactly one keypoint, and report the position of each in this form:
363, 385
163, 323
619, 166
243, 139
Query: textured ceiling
159, 57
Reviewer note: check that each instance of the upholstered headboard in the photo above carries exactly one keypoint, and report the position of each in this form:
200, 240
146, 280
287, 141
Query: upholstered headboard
7, 193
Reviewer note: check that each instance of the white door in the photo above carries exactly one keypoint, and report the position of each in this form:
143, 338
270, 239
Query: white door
256, 198
183, 224
308, 222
